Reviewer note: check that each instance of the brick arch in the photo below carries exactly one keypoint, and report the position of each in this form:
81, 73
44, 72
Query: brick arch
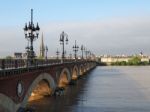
91, 65
7, 104
82, 69
75, 72
87, 66
64, 77
43, 76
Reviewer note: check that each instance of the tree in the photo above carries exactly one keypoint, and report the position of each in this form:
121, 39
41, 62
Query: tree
8, 57
135, 61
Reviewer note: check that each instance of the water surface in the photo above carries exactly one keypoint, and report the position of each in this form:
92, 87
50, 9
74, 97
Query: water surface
105, 89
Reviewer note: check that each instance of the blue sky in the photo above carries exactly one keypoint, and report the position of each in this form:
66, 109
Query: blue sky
84, 20
17, 11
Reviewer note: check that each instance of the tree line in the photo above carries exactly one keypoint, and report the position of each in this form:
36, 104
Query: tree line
133, 61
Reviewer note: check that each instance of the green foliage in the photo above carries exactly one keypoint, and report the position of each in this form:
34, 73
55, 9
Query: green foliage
8, 57
144, 63
133, 61
122, 63
40, 57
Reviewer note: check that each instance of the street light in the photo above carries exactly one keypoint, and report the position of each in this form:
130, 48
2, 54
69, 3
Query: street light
31, 34
89, 54
86, 53
82, 50
27, 50
63, 38
46, 50
75, 49
57, 53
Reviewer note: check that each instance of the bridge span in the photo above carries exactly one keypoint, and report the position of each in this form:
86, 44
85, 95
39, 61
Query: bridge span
20, 83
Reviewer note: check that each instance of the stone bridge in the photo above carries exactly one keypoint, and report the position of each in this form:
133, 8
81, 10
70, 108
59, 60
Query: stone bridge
20, 83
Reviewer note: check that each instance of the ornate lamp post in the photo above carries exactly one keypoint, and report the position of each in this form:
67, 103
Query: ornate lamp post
75, 49
31, 34
82, 50
63, 38
46, 50
57, 53
27, 50
89, 54
86, 53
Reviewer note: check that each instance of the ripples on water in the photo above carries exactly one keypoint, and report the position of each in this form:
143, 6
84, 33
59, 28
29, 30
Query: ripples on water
105, 89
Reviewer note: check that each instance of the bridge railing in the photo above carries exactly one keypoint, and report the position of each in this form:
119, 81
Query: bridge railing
24, 63
11, 63
42, 62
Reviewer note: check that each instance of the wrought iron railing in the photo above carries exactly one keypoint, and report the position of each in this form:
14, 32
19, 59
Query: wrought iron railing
24, 63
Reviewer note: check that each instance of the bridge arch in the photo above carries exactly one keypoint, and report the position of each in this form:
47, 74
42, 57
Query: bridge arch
92, 65
7, 104
42, 77
75, 72
82, 69
87, 66
64, 77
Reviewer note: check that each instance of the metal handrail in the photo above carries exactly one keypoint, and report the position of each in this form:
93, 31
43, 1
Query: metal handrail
24, 63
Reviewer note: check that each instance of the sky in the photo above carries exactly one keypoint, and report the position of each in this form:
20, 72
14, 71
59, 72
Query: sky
103, 26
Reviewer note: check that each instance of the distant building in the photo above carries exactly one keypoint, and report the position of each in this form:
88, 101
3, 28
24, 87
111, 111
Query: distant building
110, 60
24, 55
113, 59
145, 59
18, 55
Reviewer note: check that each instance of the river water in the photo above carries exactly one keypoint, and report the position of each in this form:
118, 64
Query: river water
105, 89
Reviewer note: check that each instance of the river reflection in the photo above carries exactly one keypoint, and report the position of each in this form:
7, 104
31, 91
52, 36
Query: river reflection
105, 89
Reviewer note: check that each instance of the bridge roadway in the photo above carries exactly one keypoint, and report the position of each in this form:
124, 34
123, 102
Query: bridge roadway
20, 83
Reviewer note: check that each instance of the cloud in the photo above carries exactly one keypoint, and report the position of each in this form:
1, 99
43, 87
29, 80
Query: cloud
111, 36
